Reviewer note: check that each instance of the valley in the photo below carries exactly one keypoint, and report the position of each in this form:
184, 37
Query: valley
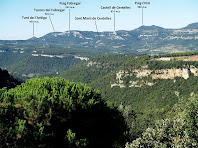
144, 72
30, 62
98, 74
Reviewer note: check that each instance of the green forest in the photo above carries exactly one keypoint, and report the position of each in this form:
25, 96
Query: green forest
82, 110
27, 62
143, 105
55, 113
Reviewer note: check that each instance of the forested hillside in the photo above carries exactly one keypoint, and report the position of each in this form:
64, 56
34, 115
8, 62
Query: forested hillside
145, 87
145, 101
29, 62
96, 67
178, 129
98, 74
6, 80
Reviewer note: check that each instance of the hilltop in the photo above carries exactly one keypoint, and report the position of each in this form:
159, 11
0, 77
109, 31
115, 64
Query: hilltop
192, 26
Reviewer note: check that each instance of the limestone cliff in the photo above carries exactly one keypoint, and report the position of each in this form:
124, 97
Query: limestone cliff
154, 74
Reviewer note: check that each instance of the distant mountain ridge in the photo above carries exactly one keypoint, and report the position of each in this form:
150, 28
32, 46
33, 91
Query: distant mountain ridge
192, 26
59, 51
145, 39
153, 27
90, 33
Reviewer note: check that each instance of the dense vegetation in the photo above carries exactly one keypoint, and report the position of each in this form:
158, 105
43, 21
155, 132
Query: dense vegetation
55, 113
149, 103
157, 116
42, 65
19, 60
177, 54
144, 105
178, 129
96, 67
7, 80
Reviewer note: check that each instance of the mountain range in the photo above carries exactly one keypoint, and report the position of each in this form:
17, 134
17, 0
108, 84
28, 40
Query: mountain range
145, 39
57, 52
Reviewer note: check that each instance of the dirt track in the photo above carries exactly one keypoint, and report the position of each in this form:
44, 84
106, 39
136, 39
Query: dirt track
193, 58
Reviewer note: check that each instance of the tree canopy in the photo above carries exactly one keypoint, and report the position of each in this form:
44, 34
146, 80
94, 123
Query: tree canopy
7, 80
54, 113
179, 129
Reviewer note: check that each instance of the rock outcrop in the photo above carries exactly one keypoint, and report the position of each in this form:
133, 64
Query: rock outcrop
171, 73
154, 74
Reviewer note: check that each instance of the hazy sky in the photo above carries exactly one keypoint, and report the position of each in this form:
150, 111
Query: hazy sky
164, 13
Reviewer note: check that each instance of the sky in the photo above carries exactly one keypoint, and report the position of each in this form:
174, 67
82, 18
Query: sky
164, 13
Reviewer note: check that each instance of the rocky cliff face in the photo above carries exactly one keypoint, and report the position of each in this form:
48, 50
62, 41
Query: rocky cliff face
119, 77
154, 74
171, 73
